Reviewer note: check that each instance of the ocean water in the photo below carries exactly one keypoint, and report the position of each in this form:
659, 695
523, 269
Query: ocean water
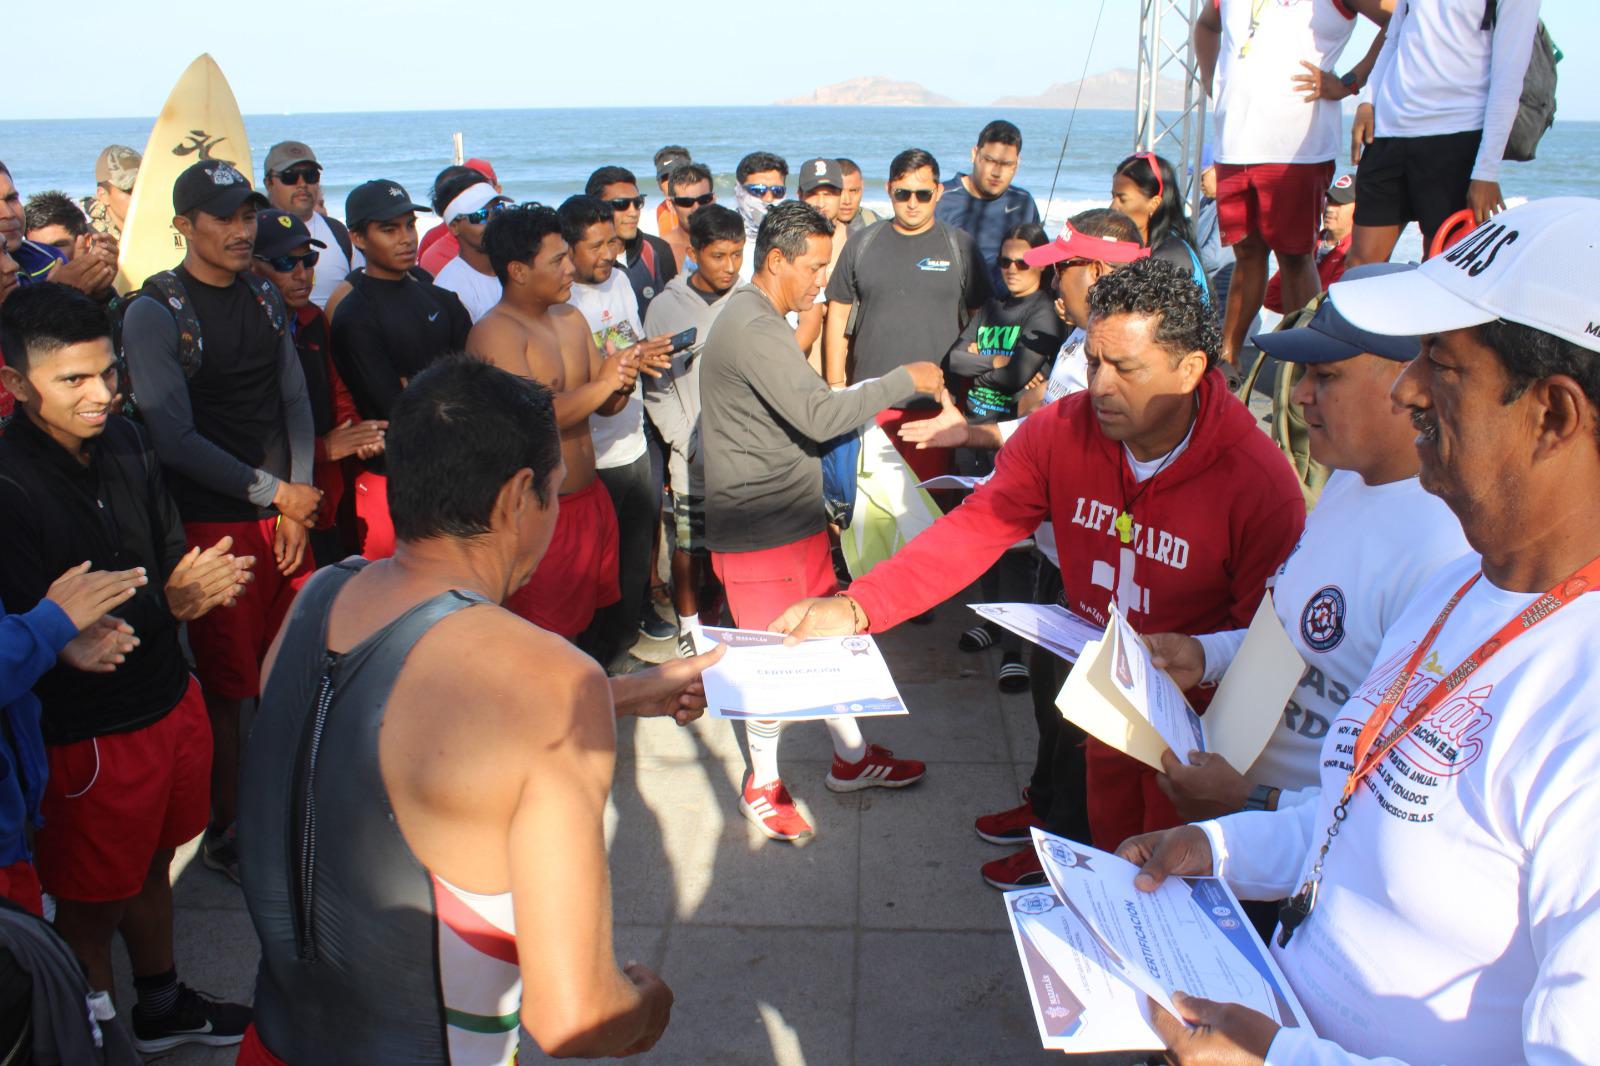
546, 154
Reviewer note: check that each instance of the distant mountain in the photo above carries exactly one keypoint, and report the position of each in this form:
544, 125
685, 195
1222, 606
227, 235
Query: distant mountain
1114, 90
871, 92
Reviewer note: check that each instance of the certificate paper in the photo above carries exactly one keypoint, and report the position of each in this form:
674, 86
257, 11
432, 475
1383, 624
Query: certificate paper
830, 677
1189, 935
1078, 1003
1049, 625
953, 481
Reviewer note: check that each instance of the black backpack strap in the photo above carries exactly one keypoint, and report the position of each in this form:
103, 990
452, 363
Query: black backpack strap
270, 299
165, 287
341, 237
1490, 15
866, 240
958, 263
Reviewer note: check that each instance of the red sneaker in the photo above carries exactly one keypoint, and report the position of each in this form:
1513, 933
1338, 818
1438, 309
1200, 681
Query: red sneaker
1018, 870
773, 811
878, 768
1010, 827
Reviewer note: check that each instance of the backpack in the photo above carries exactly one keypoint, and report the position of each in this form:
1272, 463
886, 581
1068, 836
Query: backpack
1536, 111
165, 287
341, 237
841, 459
958, 261
1288, 423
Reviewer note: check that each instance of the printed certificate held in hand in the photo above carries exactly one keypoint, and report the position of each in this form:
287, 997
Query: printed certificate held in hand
762, 678
1118, 696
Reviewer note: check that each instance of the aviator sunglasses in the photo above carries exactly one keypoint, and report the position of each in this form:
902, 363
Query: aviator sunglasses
766, 190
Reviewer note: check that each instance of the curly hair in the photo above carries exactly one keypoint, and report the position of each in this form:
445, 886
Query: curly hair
1158, 288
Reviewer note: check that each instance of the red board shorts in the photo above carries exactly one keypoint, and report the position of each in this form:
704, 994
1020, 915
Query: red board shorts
374, 528
578, 574
19, 883
1124, 799
927, 463
229, 643
761, 584
113, 801
1279, 202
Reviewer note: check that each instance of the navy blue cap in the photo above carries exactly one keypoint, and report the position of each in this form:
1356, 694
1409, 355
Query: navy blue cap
279, 233
1329, 337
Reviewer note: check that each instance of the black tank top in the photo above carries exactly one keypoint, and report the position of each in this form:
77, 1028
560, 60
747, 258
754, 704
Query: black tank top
343, 908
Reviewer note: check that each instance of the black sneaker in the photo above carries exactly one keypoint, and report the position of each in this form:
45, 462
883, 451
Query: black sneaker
195, 1018
653, 626
220, 851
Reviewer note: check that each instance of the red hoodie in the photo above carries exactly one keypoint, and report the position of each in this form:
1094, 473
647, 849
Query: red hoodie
1208, 531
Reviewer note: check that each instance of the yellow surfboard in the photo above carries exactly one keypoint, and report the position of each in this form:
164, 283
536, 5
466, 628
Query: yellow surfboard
199, 121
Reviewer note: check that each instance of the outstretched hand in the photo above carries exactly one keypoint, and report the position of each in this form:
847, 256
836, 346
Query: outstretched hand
672, 689
947, 429
821, 616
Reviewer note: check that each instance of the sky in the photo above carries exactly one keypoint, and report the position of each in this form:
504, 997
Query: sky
345, 55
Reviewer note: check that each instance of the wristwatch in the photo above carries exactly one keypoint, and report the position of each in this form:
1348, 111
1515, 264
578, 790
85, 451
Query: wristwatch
1349, 81
1262, 798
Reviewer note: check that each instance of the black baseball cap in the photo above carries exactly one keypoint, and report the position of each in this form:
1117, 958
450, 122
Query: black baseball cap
1329, 337
377, 201
668, 161
214, 186
817, 173
279, 233
1342, 191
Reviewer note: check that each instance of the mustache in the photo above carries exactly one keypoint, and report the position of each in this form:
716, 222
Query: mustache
1425, 425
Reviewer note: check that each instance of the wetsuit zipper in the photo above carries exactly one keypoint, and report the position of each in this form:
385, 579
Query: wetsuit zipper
305, 842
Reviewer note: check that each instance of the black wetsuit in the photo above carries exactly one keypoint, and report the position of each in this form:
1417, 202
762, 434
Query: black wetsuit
344, 910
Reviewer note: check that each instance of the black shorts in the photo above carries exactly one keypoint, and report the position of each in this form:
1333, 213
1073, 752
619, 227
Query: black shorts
1415, 179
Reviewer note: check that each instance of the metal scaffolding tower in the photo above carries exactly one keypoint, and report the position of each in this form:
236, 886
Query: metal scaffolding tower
1166, 51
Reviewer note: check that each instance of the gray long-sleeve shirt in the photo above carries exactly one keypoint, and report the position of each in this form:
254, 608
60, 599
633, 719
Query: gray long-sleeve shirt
242, 424
764, 416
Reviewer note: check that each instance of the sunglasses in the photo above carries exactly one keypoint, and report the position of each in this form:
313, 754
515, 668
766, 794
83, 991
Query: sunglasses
294, 176
1005, 261
766, 190
903, 196
283, 264
484, 213
700, 201
622, 203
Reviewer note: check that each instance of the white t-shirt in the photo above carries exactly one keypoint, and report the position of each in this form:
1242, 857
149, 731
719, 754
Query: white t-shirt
478, 292
1458, 920
612, 312
1261, 117
1365, 551
1439, 72
332, 266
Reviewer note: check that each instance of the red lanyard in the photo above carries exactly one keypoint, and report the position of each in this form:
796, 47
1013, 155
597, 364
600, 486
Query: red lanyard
1369, 753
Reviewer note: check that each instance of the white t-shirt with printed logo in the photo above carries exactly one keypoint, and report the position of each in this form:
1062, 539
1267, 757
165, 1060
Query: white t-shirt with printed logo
1365, 551
1260, 116
1458, 918
612, 312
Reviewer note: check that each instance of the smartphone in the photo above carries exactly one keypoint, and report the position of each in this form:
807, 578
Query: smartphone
680, 341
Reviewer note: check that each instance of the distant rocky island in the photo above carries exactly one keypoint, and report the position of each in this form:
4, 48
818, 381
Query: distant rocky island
1113, 90
871, 92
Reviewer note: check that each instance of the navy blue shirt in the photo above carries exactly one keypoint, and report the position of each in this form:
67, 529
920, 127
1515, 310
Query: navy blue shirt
986, 221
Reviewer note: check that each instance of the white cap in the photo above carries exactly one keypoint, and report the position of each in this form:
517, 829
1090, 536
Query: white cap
474, 197
1534, 265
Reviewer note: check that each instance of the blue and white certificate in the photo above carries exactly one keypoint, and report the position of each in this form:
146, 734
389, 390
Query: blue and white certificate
1190, 935
827, 677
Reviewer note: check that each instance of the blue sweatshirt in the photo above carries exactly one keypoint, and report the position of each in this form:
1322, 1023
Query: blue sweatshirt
29, 645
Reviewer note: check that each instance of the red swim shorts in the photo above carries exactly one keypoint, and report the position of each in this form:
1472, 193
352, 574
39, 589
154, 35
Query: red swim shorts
761, 584
113, 801
1279, 202
578, 574
229, 643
